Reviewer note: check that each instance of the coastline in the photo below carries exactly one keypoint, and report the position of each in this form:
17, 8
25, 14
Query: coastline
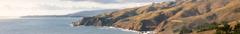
122, 29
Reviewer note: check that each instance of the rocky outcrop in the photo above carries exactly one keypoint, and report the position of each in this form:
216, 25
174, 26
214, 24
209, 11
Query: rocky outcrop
180, 17
144, 18
94, 21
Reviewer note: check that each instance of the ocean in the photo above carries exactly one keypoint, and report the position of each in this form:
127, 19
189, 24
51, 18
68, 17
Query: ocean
53, 25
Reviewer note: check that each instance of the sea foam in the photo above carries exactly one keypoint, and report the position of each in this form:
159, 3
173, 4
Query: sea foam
127, 30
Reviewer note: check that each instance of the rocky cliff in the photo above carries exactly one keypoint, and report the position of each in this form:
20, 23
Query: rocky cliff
177, 17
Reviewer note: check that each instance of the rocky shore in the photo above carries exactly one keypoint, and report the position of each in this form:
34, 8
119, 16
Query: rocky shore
176, 17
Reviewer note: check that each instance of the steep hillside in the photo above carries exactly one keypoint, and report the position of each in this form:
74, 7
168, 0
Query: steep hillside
178, 17
201, 16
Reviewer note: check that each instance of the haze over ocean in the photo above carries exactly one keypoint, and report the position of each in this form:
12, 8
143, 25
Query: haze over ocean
61, 7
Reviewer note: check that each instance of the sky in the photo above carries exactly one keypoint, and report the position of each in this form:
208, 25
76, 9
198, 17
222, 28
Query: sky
61, 7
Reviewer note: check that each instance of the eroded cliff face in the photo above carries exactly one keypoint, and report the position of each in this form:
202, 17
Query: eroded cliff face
144, 18
180, 17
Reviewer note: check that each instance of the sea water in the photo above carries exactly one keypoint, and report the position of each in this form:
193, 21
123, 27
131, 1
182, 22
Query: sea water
52, 26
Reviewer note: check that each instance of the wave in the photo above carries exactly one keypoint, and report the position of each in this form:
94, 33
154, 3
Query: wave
116, 28
127, 30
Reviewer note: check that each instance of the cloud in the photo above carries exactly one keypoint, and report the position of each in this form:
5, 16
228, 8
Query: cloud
121, 1
100, 1
60, 7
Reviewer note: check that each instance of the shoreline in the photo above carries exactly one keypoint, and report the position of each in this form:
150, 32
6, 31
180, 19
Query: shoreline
128, 30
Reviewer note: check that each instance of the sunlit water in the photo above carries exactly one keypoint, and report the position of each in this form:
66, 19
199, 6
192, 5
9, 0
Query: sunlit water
51, 26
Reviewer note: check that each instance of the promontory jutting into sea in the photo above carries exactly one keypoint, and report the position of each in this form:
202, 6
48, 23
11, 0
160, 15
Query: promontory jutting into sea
175, 17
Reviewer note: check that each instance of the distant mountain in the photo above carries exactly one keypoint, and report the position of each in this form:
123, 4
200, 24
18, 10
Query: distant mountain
88, 13
92, 12
30, 16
